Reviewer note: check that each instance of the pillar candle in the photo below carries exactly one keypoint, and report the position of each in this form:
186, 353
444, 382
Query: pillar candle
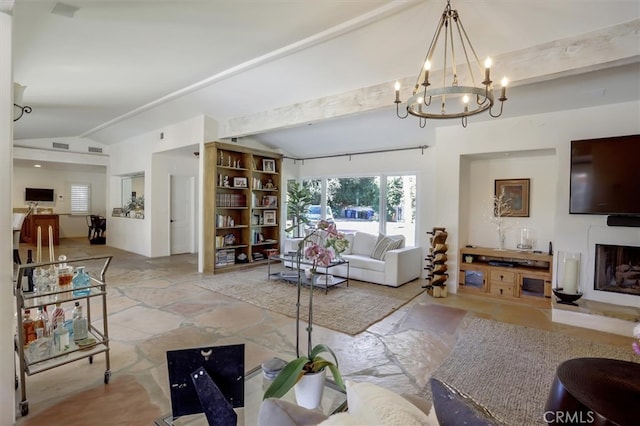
39, 246
51, 255
570, 282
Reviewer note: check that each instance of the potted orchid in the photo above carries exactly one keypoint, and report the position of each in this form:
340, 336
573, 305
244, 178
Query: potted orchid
636, 345
320, 247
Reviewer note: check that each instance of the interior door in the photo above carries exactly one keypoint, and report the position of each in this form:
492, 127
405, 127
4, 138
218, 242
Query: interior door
182, 198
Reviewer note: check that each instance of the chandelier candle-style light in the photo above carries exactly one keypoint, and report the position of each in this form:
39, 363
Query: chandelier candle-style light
456, 100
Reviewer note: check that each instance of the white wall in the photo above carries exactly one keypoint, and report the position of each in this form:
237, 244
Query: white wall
540, 168
552, 131
7, 301
150, 236
59, 181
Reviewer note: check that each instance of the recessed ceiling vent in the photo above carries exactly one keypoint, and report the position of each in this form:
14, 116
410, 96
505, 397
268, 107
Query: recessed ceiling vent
94, 149
63, 9
59, 145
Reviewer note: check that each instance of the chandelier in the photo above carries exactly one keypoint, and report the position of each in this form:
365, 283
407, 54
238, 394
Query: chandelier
459, 96
18, 109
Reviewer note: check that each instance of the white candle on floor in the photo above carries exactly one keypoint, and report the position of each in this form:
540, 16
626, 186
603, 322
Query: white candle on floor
570, 283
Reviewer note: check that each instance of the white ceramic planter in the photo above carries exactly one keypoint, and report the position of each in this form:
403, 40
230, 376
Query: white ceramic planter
309, 390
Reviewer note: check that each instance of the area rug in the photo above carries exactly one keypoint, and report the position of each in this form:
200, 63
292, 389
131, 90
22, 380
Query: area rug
349, 310
509, 369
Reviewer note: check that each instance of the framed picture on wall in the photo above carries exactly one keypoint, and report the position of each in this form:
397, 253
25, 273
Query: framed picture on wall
269, 217
516, 195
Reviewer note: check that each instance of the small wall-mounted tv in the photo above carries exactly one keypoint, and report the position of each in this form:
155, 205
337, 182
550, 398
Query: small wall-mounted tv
38, 194
605, 176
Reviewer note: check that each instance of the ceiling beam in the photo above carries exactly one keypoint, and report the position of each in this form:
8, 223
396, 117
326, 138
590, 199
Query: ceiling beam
608, 47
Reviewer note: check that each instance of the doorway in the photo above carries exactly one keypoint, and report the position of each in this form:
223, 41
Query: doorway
181, 214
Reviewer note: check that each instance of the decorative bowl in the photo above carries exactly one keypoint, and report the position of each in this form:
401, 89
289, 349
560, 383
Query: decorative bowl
566, 298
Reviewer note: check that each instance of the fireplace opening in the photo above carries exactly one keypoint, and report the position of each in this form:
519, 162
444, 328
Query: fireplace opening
617, 269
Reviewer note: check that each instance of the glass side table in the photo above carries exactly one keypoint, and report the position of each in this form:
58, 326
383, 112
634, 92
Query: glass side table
334, 400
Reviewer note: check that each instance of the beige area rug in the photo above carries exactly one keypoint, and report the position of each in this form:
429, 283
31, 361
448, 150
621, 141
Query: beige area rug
348, 310
509, 369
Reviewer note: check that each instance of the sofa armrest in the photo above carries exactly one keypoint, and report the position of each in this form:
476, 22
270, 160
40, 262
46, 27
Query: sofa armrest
402, 265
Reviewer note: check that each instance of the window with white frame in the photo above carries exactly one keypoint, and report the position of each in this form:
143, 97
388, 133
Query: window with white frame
368, 203
80, 198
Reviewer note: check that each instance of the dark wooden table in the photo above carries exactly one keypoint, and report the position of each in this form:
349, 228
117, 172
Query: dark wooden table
595, 391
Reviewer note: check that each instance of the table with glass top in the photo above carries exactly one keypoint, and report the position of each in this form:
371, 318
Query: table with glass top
295, 268
334, 400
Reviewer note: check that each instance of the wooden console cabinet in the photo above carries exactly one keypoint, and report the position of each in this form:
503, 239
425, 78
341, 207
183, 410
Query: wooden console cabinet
513, 275
29, 232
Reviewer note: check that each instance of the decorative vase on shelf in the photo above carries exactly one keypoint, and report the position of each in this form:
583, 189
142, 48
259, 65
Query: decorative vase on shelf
309, 389
501, 241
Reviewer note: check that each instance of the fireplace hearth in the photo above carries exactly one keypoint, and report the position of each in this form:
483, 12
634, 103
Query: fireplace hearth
617, 269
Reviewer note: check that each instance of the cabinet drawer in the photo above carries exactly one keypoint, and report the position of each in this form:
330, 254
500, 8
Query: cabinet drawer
500, 289
501, 276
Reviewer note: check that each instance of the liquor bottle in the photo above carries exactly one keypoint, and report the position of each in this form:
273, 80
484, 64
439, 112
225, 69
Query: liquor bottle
42, 322
60, 336
29, 272
58, 313
81, 282
80, 324
29, 328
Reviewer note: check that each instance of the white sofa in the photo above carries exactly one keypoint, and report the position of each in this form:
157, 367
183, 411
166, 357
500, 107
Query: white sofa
397, 267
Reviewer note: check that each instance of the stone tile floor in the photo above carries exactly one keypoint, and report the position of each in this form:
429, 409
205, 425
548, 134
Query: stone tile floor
154, 306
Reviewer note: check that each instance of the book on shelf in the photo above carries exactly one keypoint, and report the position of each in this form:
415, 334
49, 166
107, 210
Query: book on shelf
231, 200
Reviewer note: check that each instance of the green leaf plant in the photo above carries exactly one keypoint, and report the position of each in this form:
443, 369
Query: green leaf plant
321, 250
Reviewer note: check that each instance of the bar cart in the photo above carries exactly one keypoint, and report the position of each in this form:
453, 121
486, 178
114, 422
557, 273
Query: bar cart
36, 358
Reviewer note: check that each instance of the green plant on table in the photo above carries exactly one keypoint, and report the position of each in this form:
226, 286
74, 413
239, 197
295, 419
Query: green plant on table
320, 251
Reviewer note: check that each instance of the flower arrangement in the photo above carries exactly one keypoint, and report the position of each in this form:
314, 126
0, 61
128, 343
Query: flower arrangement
135, 203
636, 345
320, 247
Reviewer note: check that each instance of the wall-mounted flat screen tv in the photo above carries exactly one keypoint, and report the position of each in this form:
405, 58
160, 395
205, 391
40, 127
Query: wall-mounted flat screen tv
38, 194
605, 176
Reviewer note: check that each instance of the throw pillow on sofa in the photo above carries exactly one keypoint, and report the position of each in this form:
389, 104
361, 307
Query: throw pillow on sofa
383, 245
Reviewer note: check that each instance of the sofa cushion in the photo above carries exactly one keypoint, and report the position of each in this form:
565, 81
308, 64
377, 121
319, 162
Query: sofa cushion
384, 244
349, 237
379, 406
364, 262
363, 243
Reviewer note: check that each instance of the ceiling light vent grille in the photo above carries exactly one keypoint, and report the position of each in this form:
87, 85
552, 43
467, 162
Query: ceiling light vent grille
94, 149
59, 145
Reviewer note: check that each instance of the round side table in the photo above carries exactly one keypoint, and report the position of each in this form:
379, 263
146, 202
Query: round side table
595, 391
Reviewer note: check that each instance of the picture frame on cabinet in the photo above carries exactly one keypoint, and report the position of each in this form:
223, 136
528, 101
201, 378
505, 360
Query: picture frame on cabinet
269, 165
240, 182
516, 195
269, 217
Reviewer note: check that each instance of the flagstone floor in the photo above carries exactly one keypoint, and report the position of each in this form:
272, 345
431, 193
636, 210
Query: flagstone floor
154, 306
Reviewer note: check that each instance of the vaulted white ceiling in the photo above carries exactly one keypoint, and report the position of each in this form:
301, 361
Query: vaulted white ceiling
114, 69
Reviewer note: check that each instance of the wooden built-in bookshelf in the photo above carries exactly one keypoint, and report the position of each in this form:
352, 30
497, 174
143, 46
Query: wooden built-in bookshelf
241, 206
